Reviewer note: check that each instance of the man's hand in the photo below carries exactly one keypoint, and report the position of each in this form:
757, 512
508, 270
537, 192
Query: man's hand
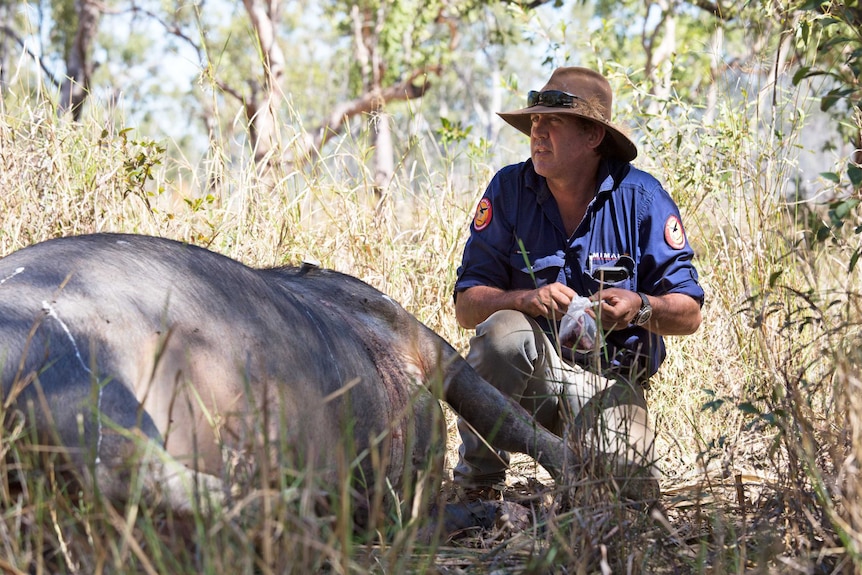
550, 301
618, 307
672, 314
475, 304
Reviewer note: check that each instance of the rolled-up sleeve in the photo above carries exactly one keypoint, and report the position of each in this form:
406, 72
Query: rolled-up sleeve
666, 259
487, 251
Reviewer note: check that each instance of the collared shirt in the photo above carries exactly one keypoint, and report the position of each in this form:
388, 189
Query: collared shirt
518, 241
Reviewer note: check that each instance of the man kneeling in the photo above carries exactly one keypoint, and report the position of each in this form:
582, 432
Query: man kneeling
576, 220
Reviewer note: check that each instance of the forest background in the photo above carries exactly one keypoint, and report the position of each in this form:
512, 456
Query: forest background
361, 134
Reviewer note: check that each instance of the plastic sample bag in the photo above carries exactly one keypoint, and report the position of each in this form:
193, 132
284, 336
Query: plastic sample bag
578, 328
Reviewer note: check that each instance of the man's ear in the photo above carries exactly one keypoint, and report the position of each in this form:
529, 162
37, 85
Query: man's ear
597, 135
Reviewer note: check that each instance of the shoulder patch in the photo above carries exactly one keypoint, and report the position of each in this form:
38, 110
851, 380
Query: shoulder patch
674, 235
483, 215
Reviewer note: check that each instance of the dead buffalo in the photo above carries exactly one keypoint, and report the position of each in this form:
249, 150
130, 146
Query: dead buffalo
127, 348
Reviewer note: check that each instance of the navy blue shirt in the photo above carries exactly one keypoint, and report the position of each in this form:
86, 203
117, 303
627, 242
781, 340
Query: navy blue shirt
518, 241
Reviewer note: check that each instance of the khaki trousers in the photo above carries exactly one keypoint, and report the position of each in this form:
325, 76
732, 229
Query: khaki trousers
604, 418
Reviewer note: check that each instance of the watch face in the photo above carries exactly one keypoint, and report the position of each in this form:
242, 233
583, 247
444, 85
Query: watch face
644, 313
643, 316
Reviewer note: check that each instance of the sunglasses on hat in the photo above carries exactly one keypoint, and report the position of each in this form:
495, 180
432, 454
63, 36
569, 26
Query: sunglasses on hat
552, 99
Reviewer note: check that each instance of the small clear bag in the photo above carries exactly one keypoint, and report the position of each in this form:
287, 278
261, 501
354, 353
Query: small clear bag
578, 329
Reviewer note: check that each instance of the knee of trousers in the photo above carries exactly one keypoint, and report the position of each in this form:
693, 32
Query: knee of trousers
616, 422
508, 339
626, 433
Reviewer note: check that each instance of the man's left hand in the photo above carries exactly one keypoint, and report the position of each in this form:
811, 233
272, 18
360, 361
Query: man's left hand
618, 307
672, 314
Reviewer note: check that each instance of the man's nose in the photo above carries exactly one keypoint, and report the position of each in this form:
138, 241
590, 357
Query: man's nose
538, 128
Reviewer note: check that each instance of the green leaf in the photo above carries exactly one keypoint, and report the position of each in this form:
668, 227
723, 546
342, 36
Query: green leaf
854, 259
843, 208
712, 405
773, 277
827, 102
839, 41
827, 21
831, 176
800, 75
804, 34
748, 407
811, 5
854, 172
769, 418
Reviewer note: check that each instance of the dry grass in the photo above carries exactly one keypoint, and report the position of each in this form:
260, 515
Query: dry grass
764, 479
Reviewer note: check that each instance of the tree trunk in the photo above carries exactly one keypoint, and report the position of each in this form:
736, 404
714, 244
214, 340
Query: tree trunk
262, 104
384, 154
75, 87
716, 69
658, 53
366, 45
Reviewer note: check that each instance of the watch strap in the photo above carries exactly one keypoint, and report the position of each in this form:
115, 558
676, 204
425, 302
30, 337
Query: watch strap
643, 314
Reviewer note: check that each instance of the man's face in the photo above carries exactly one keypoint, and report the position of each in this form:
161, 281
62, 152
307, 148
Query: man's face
559, 143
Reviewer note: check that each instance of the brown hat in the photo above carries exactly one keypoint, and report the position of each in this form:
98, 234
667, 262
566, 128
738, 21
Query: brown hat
579, 92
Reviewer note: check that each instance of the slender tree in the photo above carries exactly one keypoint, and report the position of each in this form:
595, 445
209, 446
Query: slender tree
262, 105
75, 85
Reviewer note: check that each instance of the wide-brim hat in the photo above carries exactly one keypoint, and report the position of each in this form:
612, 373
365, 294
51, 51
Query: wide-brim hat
591, 98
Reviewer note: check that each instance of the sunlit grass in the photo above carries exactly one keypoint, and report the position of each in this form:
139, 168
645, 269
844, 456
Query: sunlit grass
776, 361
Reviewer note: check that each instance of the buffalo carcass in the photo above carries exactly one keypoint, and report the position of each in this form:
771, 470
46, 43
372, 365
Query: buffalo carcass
106, 339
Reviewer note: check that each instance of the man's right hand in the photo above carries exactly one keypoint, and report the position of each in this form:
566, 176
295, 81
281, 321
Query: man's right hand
550, 301
474, 305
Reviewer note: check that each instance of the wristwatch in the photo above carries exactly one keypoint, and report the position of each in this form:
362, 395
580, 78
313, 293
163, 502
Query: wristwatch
644, 313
